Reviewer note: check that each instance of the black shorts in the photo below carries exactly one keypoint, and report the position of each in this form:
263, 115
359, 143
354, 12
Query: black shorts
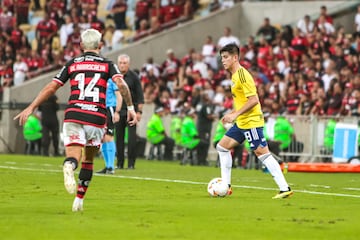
110, 111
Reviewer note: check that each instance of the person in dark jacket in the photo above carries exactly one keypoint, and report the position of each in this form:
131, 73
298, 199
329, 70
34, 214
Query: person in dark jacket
50, 125
137, 95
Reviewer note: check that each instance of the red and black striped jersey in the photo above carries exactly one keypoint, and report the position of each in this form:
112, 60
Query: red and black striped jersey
88, 75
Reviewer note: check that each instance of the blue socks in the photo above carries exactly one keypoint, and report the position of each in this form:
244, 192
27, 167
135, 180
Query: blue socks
108, 150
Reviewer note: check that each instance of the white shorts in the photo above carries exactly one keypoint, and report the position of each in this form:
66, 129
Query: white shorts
84, 135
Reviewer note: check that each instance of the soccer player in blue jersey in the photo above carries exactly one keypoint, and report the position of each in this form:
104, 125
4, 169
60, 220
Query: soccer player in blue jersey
248, 122
108, 147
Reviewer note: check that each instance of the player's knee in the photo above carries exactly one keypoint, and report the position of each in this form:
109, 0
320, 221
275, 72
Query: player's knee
220, 148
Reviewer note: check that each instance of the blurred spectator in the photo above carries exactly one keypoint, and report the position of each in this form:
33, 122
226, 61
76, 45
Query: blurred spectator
292, 100
89, 7
284, 133
32, 135
170, 67
56, 9
46, 29
142, 30
113, 38
205, 118
190, 136
305, 25
6, 19
34, 61
22, 11
335, 100
319, 107
200, 65
50, 125
324, 26
155, 25
66, 29
305, 104
7, 73
329, 74
15, 36
299, 44
155, 132
69, 52
227, 38
267, 30
209, 52
357, 20
20, 69
142, 12
354, 103
75, 37
96, 23
324, 14
118, 11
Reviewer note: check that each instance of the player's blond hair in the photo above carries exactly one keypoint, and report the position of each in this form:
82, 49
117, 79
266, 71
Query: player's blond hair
90, 39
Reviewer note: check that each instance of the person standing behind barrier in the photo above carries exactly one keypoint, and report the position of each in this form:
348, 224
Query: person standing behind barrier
32, 135
248, 123
156, 134
85, 115
50, 125
205, 118
190, 136
133, 81
175, 131
284, 133
329, 139
113, 105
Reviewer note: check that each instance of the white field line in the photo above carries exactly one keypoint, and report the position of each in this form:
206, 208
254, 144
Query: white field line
186, 182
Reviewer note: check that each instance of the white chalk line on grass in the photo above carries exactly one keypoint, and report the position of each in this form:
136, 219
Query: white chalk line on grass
187, 182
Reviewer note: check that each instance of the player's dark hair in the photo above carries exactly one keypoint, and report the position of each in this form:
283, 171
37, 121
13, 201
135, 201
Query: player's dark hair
231, 48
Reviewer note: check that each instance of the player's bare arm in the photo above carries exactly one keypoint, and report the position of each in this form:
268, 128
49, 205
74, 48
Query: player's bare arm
44, 94
125, 93
124, 90
231, 117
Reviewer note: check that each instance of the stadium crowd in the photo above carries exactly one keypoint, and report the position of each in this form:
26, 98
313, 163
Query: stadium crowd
310, 68
29, 48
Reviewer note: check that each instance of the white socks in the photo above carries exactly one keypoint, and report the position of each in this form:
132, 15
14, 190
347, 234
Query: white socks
225, 163
274, 168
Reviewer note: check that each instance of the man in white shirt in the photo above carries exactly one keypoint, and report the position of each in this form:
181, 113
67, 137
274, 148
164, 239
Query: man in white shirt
305, 25
228, 38
20, 69
357, 19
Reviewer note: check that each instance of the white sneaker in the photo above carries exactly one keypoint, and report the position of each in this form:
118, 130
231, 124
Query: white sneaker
69, 179
77, 204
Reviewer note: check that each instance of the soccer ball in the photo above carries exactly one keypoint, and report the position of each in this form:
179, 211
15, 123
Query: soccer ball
217, 188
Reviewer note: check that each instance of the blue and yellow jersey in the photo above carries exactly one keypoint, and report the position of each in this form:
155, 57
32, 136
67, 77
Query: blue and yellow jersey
242, 87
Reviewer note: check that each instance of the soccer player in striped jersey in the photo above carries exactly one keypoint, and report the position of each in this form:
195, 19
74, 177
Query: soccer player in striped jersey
248, 122
85, 115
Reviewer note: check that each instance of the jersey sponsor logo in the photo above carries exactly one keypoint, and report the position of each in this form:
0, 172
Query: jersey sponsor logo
93, 58
88, 67
88, 107
78, 59
74, 137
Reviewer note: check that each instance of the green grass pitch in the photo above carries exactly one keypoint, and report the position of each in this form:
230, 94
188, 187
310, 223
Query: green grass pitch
164, 200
